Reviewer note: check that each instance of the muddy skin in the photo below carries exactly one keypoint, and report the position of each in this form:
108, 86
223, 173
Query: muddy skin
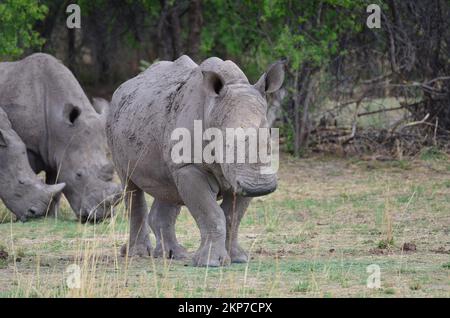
62, 131
145, 111
23, 193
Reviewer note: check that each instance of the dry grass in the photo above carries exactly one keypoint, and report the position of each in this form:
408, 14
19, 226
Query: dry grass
315, 236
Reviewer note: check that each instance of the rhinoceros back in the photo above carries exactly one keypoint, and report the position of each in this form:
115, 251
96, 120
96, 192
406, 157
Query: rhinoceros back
156, 84
143, 108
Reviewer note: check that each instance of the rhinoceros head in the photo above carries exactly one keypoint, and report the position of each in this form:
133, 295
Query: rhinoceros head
21, 190
239, 104
80, 149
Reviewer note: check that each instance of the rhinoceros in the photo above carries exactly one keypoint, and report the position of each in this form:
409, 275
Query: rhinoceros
64, 134
23, 193
145, 111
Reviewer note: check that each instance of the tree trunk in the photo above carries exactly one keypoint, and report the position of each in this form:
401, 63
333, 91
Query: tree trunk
305, 124
71, 50
195, 29
301, 114
175, 31
162, 33
296, 118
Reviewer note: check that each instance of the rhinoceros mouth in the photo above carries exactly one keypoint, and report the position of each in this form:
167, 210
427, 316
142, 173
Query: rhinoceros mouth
255, 190
101, 211
33, 212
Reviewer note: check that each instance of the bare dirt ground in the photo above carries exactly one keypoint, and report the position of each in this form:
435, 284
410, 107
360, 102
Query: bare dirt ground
316, 236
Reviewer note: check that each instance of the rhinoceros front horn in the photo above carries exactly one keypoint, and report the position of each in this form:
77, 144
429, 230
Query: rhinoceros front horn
56, 189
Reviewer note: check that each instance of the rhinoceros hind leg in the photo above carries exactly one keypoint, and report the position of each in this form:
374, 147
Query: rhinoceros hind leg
162, 220
199, 192
234, 208
139, 242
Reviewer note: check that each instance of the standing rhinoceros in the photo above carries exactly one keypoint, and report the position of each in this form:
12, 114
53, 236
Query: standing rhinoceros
145, 111
62, 131
20, 189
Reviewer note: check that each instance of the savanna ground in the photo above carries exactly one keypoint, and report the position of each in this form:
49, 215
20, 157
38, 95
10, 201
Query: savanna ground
315, 236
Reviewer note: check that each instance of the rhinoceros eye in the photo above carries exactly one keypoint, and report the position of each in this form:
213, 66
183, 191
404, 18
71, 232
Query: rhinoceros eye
21, 181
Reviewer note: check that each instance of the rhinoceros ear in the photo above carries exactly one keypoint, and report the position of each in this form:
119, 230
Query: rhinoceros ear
101, 105
3, 142
271, 80
71, 113
212, 83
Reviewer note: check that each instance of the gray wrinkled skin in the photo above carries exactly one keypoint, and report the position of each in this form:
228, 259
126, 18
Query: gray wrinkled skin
21, 190
63, 133
144, 112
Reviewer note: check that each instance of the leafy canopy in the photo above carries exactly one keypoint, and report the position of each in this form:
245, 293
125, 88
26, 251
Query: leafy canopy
258, 32
17, 18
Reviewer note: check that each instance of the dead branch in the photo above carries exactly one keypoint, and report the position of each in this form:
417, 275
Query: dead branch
380, 111
414, 123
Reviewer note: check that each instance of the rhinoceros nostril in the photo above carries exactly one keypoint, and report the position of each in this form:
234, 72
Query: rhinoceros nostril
32, 211
83, 218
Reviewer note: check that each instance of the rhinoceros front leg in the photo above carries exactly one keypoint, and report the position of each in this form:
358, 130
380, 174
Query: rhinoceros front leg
139, 242
234, 207
199, 193
162, 220
53, 208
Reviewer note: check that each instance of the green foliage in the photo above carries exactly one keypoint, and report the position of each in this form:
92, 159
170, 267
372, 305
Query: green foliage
17, 18
309, 32
143, 65
232, 31
258, 32
287, 131
153, 7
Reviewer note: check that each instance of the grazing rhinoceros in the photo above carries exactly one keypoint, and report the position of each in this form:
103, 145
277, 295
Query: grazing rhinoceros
63, 133
20, 189
145, 111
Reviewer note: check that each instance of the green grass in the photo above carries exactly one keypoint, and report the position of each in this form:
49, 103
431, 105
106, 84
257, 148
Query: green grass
433, 153
314, 237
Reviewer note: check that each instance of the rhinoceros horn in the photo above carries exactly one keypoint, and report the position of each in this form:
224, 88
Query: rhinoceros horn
56, 189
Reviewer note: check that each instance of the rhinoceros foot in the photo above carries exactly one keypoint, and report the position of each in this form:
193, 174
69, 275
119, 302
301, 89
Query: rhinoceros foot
170, 250
212, 257
140, 250
238, 255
